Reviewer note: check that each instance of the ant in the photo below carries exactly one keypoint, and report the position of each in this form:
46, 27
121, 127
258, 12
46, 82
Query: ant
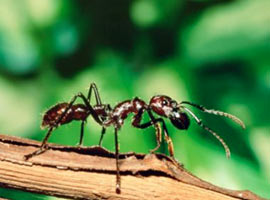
161, 105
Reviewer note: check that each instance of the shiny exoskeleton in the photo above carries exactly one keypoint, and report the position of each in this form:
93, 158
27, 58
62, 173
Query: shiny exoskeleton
160, 105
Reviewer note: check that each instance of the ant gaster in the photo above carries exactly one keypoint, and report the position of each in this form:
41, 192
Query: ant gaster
161, 105
63, 113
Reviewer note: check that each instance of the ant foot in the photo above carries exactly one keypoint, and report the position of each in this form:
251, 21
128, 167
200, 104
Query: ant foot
154, 150
35, 153
26, 157
176, 162
80, 146
100, 144
118, 189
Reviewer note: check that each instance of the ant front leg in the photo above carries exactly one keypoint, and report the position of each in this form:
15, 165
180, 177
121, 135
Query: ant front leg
137, 123
166, 133
167, 137
158, 137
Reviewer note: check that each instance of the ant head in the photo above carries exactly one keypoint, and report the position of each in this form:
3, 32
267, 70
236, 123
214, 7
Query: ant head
167, 107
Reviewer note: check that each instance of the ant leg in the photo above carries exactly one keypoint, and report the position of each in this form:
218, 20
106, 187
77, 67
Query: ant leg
158, 132
42, 148
118, 178
216, 112
92, 112
81, 134
90, 108
94, 87
166, 133
199, 122
170, 144
158, 137
101, 137
136, 123
167, 137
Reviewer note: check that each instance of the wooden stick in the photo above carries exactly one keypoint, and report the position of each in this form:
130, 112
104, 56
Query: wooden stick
89, 173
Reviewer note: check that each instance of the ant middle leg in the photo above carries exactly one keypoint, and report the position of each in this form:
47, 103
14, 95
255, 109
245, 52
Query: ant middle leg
93, 87
118, 178
91, 110
98, 102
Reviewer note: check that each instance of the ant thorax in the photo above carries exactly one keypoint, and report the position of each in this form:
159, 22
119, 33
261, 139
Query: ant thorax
123, 109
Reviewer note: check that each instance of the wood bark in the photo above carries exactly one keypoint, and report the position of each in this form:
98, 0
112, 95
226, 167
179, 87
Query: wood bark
89, 173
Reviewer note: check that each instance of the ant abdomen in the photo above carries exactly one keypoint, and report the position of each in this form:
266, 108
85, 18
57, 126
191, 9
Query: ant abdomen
76, 112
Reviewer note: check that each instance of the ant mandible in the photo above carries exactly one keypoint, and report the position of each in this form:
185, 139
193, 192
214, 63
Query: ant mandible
162, 105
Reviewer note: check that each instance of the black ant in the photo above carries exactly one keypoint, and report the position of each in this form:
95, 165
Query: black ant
162, 105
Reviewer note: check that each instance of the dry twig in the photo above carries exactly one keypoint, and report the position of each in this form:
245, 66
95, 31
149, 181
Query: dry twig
89, 173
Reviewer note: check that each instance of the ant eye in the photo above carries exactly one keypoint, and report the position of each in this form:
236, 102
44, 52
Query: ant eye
164, 103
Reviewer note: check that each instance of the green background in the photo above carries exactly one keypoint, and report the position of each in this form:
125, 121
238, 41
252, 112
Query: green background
211, 52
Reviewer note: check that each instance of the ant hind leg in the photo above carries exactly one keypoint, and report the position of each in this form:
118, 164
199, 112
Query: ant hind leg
103, 131
42, 148
81, 134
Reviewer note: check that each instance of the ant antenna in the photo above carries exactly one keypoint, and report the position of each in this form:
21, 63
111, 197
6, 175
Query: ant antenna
199, 122
217, 112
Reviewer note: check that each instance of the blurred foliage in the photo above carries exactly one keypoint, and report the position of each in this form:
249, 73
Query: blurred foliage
211, 52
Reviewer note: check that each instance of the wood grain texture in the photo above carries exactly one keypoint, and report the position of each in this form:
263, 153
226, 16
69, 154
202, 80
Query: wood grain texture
89, 173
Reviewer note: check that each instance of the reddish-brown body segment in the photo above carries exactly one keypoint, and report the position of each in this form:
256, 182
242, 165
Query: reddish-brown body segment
76, 112
123, 109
